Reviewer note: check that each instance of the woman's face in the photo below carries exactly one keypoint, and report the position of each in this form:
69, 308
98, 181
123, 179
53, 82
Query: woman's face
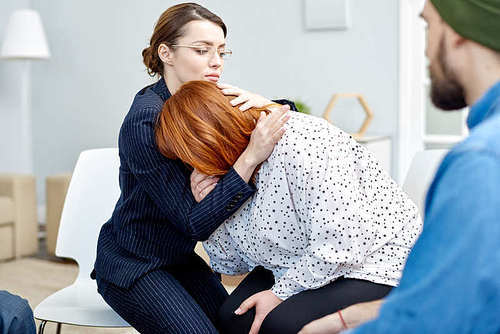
195, 56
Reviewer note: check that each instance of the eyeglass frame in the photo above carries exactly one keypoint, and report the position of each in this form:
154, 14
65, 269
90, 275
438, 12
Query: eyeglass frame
228, 52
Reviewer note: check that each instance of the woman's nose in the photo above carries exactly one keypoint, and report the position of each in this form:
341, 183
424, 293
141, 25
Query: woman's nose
215, 61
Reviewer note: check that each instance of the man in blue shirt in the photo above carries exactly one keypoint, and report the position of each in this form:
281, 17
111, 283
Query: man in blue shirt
451, 282
16, 316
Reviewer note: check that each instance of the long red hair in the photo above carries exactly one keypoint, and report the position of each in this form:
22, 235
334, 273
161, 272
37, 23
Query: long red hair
200, 127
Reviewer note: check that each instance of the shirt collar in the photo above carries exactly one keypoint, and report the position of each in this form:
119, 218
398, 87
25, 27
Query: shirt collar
485, 107
161, 89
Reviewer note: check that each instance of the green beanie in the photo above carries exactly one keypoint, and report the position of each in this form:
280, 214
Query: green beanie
477, 20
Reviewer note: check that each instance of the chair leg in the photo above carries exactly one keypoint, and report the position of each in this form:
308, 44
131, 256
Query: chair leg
58, 328
42, 327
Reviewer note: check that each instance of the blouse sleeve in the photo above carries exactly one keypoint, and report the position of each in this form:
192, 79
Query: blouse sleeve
350, 207
167, 182
224, 257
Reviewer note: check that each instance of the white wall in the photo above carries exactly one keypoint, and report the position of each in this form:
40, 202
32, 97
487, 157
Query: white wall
11, 121
82, 93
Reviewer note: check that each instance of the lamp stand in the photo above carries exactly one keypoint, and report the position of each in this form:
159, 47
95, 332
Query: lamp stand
26, 152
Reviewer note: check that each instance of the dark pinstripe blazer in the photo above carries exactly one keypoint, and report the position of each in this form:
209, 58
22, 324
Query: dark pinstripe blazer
156, 221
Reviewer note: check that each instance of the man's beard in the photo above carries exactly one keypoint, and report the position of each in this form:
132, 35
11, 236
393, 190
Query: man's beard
446, 93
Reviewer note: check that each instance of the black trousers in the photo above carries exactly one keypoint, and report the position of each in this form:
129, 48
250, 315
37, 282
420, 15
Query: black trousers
297, 311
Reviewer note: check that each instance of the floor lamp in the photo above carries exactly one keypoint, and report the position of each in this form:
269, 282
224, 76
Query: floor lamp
25, 41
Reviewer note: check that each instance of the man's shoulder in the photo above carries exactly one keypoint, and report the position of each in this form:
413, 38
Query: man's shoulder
471, 170
484, 138
480, 150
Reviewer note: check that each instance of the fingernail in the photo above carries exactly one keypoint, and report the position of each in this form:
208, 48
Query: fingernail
238, 311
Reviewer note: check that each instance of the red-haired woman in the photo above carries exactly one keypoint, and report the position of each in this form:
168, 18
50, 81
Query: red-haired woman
326, 228
146, 268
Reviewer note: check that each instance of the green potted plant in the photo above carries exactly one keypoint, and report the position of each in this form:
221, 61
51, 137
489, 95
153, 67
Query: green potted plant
302, 107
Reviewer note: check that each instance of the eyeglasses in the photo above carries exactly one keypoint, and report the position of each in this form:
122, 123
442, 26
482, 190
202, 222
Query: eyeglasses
203, 50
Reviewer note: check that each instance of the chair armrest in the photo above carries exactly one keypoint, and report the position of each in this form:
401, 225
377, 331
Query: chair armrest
56, 187
21, 189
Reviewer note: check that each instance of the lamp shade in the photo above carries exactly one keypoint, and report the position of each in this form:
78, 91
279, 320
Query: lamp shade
25, 37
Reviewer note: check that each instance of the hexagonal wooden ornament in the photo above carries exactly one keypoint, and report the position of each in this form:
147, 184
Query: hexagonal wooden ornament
362, 102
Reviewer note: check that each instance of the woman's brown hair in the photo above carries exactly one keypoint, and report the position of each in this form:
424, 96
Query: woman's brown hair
199, 126
170, 27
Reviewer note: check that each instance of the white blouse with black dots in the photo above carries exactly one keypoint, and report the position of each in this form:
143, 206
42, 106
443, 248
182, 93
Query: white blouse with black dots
323, 209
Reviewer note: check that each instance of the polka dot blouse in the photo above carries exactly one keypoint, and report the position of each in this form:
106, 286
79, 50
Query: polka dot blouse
323, 209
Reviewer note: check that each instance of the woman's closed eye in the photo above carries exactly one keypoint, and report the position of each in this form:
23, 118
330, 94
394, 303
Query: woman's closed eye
202, 50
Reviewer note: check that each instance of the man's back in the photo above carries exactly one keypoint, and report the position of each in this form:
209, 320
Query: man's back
450, 283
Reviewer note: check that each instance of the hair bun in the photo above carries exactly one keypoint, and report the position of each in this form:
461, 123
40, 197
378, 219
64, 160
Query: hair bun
152, 63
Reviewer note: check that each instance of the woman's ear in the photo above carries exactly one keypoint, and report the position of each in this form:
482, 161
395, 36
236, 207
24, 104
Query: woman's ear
165, 53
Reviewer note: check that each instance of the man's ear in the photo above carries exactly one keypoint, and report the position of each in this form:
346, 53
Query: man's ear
455, 39
165, 53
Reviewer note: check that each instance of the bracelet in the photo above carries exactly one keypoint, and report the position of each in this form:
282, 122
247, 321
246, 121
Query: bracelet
342, 320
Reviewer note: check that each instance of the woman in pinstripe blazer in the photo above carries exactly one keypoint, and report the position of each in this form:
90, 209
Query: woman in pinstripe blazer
146, 268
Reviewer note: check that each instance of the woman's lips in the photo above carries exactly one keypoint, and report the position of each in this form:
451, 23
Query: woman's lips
212, 77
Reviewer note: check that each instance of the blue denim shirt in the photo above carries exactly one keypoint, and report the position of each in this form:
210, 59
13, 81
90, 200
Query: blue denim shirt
451, 282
